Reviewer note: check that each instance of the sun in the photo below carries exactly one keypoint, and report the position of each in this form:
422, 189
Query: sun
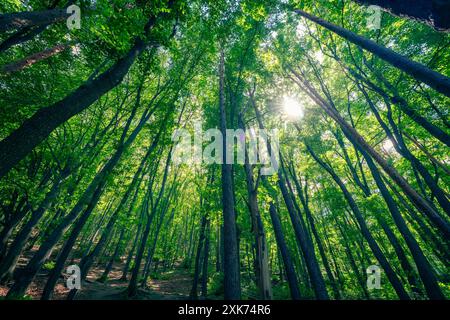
388, 146
292, 108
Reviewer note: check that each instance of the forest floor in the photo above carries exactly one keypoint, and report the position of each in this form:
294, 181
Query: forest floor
171, 285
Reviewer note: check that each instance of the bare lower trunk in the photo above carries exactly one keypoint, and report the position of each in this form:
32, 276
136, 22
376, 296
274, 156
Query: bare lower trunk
287, 260
390, 273
32, 59
231, 250
11, 21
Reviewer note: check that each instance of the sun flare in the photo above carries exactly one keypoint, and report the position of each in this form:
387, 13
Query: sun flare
292, 108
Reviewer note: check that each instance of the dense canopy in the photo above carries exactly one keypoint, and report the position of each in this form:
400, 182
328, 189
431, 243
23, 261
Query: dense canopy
118, 159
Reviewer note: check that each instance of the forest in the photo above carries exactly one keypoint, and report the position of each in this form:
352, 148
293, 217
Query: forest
224, 149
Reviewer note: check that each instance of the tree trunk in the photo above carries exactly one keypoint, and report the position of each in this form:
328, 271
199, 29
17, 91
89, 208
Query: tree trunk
287, 261
262, 267
232, 284
37, 128
417, 70
9, 262
435, 13
198, 258
390, 273
110, 264
351, 259
132, 286
19, 20
99, 181
303, 195
205, 260
355, 137
9, 226
302, 237
130, 254
32, 59
425, 270
400, 146
63, 255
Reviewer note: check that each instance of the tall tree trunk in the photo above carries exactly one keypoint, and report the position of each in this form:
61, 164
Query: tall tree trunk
198, 258
133, 247
303, 195
37, 128
311, 262
87, 261
351, 259
9, 262
390, 273
406, 266
132, 286
262, 264
19, 20
232, 284
99, 181
301, 234
152, 248
425, 270
355, 137
287, 261
397, 100
435, 13
35, 57
21, 36
11, 221
113, 259
400, 146
417, 70
64, 254
428, 235
27, 33
205, 260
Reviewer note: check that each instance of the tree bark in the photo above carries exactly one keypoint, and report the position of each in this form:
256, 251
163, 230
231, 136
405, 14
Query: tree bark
350, 132
417, 70
287, 261
198, 258
390, 273
205, 260
19, 20
434, 13
109, 266
37, 128
425, 270
64, 254
34, 58
303, 195
301, 234
132, 286
99, 181
232, 284
262, 264
9, 262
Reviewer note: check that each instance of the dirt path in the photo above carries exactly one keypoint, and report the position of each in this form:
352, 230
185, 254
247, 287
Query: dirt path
171, 285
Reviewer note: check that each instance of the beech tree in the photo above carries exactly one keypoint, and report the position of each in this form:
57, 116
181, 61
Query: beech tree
252, 150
